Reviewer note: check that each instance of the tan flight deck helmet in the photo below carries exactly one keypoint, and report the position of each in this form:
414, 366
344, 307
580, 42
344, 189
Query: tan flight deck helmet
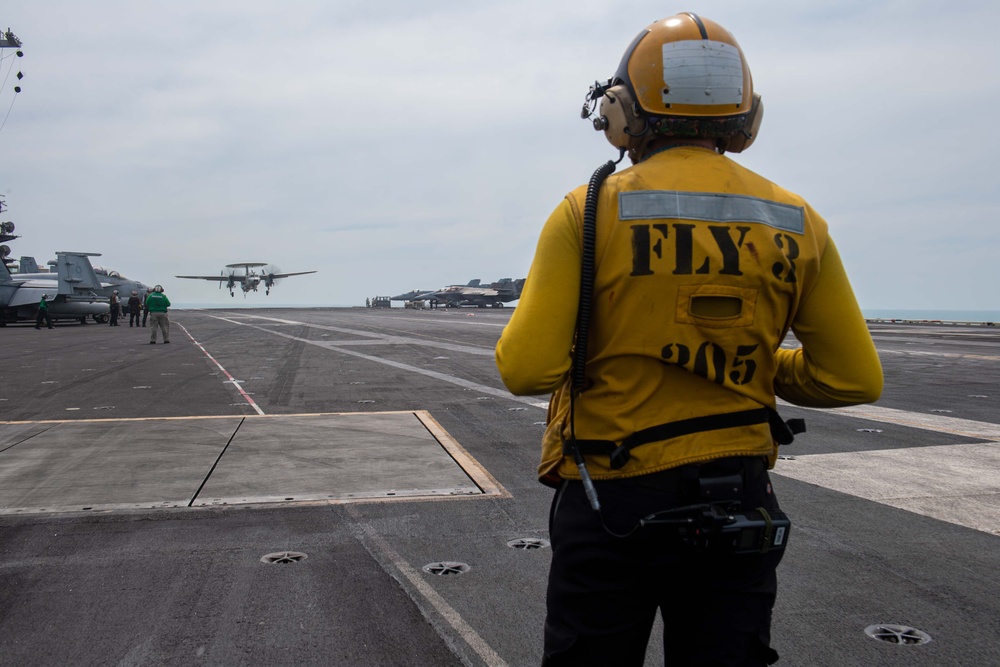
684, 77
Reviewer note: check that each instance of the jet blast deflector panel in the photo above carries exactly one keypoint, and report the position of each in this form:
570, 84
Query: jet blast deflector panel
100, 465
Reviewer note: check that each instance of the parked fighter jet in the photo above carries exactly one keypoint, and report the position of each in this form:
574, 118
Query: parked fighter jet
112, 280
412, 295
428, 295
249, 280
74, 285
109, 280
471, 294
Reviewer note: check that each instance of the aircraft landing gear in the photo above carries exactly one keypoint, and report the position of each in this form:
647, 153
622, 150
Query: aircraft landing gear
231, 294
101, 319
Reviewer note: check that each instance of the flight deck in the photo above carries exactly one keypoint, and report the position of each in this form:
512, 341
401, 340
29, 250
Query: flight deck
356, 487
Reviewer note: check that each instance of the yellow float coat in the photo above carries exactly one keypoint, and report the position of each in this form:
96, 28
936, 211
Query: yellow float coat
702, 267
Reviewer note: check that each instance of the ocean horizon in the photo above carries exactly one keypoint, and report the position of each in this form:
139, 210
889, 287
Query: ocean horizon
932, 315
258, 306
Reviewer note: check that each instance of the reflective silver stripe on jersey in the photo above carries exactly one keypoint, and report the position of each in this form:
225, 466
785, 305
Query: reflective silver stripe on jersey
712, 207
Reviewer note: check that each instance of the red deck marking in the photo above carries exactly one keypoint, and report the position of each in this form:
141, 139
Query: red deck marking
234, 381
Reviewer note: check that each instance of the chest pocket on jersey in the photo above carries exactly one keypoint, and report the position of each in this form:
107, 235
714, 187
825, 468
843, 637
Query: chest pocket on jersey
716, 306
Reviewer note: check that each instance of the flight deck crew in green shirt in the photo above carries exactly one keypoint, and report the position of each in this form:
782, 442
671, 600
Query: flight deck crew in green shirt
157, 304
43, 312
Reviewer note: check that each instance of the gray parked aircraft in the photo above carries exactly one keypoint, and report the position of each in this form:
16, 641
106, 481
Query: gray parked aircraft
73, 290
249, 280
472, 293
110, 280
412, 295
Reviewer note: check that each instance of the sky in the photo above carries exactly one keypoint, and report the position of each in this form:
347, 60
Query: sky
395, 145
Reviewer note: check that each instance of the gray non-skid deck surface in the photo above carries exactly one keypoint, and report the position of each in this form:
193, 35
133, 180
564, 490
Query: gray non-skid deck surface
147, 463
334, 456
893, 508
68, 466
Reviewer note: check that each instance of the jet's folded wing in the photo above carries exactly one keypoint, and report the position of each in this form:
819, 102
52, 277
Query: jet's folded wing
223, 279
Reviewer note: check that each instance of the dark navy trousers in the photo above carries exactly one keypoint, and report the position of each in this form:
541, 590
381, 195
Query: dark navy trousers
604, 591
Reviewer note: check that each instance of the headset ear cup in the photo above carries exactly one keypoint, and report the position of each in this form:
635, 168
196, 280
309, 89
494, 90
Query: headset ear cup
742, 139
623, 127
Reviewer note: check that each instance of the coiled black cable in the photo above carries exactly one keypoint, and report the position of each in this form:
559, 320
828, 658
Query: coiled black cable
578, 377
587, 273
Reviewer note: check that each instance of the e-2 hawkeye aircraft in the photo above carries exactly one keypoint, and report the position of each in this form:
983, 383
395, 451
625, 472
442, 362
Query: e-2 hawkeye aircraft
249, 280
73, 291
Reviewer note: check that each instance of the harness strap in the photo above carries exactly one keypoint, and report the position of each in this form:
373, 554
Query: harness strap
783, 432
765, 542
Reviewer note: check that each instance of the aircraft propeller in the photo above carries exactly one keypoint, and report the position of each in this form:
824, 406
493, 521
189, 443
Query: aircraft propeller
268, 273
230, 282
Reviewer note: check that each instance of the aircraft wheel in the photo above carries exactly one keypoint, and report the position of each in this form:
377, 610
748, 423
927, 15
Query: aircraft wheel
101, 319
83, 320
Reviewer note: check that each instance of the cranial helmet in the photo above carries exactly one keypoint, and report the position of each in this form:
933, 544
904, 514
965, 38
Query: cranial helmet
134, 293
683, 77
157, 289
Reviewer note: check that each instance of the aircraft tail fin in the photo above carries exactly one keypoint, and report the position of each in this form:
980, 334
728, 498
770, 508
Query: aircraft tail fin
4, 273
75, 272
27, 265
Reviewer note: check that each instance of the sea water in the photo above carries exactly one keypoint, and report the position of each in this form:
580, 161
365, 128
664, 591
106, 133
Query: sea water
933, 315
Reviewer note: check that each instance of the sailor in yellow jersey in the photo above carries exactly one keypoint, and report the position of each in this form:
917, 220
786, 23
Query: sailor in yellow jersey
701, 268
